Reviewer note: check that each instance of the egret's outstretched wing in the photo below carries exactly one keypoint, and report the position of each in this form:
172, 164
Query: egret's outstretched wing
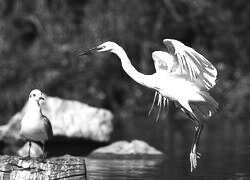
195, 66
167, 64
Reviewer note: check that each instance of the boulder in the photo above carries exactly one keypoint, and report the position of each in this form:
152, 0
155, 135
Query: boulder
134, 148
69, 118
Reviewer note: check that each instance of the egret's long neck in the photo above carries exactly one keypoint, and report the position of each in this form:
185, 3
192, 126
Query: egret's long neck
145, 80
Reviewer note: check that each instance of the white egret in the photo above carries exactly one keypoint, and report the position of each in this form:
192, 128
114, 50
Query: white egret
182, 75
34, 125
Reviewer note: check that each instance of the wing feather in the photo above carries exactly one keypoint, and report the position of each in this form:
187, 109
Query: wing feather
48, 126
195, 66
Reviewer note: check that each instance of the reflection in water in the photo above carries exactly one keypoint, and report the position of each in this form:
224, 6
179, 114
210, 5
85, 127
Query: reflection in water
225, 155
210, 168
121, 168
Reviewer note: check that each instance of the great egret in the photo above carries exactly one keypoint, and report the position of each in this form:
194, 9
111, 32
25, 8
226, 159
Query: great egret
34, 125
182, 75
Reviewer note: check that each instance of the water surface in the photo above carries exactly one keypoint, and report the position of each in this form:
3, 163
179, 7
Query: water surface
224, 156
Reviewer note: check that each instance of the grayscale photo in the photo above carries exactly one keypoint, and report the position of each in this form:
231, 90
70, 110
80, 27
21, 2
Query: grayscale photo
119, 89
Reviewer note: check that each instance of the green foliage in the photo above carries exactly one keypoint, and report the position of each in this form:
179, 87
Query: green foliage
40, 40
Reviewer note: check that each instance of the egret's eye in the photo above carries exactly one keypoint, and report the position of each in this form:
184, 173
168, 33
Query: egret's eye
33, 95
101, 47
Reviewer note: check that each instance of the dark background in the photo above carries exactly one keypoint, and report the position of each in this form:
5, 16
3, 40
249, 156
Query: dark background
40, 40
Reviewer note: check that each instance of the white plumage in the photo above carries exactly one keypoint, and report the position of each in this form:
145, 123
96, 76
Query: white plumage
182, 75
34, 125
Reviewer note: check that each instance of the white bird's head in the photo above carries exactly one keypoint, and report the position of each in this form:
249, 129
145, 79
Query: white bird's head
108, 46
36, 95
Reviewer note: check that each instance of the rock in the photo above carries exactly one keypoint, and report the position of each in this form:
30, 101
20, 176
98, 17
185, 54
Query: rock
135, 147
69, 118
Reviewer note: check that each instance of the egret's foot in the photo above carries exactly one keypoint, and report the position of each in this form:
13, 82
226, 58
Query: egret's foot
193, 159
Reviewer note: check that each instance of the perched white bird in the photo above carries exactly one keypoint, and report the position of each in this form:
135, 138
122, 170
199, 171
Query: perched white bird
35, 126
182, 75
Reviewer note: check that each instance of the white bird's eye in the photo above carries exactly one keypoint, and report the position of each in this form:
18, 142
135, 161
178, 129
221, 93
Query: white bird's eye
103, 47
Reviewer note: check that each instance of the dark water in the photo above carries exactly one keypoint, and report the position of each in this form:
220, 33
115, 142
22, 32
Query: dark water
225, 155
223, 167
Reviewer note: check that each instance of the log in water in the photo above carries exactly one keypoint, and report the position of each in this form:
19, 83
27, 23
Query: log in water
64, 167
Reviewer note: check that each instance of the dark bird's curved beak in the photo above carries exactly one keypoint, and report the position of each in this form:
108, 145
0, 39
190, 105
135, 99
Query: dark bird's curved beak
95, 49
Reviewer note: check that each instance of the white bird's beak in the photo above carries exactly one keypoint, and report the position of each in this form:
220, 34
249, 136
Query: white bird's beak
42, 98
95, 49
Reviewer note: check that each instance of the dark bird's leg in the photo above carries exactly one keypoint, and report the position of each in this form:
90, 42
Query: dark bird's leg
29, 149
43, 153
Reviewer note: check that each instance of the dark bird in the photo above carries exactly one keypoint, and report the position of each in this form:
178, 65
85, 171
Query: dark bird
35, 127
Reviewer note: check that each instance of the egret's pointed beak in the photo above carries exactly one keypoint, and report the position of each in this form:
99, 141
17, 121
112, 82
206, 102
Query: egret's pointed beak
95, 49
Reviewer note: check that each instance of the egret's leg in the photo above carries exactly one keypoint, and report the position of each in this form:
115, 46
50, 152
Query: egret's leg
194, 154
197, 134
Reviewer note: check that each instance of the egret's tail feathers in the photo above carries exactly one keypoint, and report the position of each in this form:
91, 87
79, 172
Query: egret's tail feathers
207, 109
152, 106
161, 99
